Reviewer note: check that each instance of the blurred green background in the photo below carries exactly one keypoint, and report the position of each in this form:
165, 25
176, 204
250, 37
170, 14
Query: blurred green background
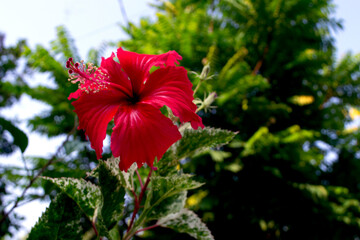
293, 171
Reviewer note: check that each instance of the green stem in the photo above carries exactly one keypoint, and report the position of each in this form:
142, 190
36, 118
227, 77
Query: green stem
197, 87
129, 234
139, 177
147, 228
95, 230
131, 231
199, 108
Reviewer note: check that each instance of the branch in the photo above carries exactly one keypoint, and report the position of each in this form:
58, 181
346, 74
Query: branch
147, 228
25, 166
140, 181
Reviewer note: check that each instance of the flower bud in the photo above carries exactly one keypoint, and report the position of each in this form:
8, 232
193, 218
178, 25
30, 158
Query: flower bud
206, 103
205, 72
209, 100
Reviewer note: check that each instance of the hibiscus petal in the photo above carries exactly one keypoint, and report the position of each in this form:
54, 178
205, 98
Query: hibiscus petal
116, 74
170, 86
75, 94
137, 66
95, 111
141, 133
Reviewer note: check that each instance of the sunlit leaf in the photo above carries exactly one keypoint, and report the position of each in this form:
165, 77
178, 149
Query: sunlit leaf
63, 219
188, 222
113, 194
85, 194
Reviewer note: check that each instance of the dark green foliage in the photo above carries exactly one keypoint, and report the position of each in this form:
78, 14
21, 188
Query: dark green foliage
9, 75
280, 88
195, 141
85, 194
113, 193
100, 199
63, 219
11, 137
10, 92
20, 138
171, 203
192, 142
103, 204
181, 27
168, 194
288, 98
72, 159
112, 165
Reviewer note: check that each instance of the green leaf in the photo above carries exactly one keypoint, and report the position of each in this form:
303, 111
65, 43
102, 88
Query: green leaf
168, 194
63, 219
125, 178
172, 204
113, 194
249, 147
115, 234
193, 142
20, 138
188, 222
85, 194
219, 156
101, 227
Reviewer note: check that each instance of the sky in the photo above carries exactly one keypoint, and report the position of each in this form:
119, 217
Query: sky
91, 22
349, 38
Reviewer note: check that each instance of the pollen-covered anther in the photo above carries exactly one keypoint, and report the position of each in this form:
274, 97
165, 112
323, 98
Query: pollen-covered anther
88, 77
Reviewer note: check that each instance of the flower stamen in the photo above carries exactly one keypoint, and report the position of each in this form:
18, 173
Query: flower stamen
90, 79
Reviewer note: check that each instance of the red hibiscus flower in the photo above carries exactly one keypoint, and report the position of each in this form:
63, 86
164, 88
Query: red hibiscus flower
123, 89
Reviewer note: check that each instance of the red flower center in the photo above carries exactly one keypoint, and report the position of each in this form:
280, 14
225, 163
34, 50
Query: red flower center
134, 99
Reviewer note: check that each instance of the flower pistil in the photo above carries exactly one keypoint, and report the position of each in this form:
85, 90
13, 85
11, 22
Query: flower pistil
88, 77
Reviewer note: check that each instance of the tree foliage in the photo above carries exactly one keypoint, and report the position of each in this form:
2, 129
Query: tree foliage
71, 158
11, 137
10, 92
282, 89
292, 169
